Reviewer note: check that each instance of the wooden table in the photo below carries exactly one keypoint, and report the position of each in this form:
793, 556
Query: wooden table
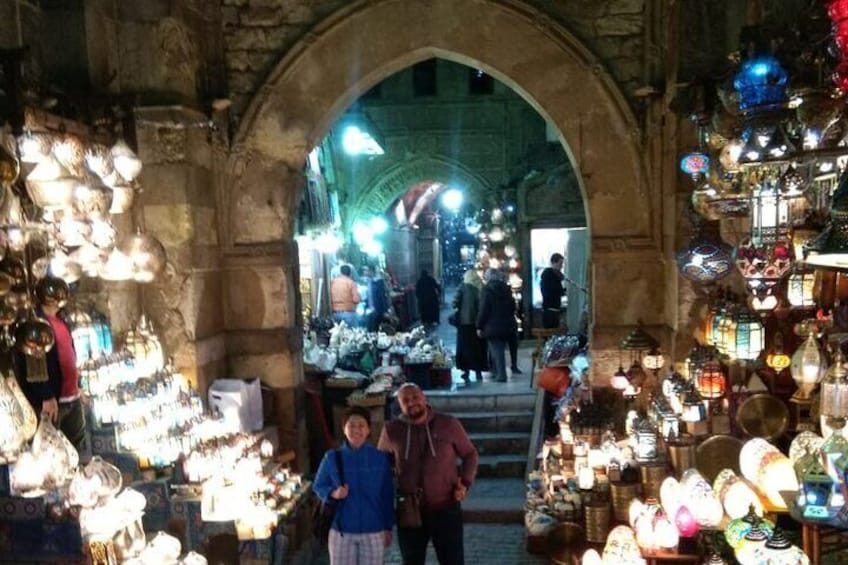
664, 556
812, 529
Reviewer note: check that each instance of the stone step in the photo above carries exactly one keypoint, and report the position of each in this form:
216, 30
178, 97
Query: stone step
492, 501
493, 422
502, 466
445, 401
501, 443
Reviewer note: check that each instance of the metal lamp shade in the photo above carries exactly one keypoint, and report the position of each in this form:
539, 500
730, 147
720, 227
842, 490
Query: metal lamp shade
51, 185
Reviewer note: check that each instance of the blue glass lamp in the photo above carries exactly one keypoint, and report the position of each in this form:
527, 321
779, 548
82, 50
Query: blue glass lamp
760, 82
707, 259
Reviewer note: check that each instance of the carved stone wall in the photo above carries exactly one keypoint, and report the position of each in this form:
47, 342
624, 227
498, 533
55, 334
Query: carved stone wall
365, 42
259, 32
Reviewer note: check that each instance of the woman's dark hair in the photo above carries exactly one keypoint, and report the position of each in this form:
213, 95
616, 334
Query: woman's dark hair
345, 270
356, 411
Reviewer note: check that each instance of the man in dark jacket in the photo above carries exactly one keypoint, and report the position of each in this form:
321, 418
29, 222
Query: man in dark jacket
552, 292
425, 445
59, 396
428, 294
496, 321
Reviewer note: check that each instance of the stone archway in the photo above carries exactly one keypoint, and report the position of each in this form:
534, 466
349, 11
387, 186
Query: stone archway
397, 179
369, 40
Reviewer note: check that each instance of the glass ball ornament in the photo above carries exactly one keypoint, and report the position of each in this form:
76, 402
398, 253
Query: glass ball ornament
52, 291
14, 267
34, 337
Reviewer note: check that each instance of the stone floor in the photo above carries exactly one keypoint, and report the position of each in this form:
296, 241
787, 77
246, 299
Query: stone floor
485, 544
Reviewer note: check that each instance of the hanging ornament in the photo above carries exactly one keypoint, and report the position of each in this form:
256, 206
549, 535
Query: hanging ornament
147, 255
125, 160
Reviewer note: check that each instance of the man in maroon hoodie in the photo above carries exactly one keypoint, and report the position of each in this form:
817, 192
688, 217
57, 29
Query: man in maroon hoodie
425, 445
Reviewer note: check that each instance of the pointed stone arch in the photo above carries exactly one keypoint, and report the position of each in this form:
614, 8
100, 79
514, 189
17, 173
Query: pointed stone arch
369, 40
381, 191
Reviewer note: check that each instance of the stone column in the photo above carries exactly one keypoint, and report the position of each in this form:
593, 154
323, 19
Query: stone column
182, 166
261, 280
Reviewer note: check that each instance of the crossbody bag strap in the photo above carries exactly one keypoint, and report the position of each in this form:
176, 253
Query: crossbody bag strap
340, 465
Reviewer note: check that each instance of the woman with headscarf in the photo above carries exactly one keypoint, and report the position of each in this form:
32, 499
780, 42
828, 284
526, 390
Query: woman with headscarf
496, 321
470, 348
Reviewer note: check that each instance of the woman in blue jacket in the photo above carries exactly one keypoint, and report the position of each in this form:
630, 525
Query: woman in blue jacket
362, 526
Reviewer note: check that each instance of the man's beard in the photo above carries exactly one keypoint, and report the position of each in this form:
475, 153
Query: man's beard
416, 412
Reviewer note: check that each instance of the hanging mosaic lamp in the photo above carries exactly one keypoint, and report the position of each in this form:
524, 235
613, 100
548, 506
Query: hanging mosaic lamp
761, 83
777, 359
710, 380
707, 259
695, 164
750, 336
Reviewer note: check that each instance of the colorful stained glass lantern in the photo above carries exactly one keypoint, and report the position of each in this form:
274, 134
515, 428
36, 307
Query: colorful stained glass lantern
710, 380
816, 484
695, 164
707, 258
750, 336
761, 82
777, 359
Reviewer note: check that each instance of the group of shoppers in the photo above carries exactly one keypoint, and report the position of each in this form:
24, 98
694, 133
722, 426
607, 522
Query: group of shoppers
419, 451
345, 297
486, 326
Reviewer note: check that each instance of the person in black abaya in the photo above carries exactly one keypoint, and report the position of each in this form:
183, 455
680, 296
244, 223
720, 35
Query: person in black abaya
428, 293
470, 348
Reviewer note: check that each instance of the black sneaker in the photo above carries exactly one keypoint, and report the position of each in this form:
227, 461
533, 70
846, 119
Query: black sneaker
517, 371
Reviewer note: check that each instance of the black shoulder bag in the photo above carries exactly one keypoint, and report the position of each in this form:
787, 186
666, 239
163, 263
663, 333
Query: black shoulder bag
322, 519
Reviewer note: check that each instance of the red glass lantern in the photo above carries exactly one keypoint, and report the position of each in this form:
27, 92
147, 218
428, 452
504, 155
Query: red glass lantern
837, 10
711, 381
840, 75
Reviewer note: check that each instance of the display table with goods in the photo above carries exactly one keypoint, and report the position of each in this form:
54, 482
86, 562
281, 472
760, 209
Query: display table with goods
361, 368
202, 477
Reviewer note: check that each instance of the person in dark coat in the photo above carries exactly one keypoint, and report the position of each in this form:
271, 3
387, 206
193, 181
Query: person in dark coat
470, 348
496, 321
428, 293
552, 292
377, 297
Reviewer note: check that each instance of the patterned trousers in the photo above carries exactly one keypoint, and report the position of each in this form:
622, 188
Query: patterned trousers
355, 549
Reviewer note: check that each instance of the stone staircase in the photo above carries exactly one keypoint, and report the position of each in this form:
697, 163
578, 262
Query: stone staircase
499, 425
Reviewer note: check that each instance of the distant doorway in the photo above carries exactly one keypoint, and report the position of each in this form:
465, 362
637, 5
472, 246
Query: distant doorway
571, 243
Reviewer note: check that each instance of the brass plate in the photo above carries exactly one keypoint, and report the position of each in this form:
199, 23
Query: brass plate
763, 415
717, 453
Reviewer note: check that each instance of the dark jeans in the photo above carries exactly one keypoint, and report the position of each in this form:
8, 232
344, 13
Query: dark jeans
497, 359
444, 527
72, 424
550, 318
513, 350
